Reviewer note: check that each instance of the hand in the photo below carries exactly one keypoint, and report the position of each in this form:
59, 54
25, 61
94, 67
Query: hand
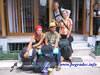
33, 46
53, 20
26, 55
36, 50
59, 36
68, 36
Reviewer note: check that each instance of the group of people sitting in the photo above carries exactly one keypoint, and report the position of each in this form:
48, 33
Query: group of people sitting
53, 37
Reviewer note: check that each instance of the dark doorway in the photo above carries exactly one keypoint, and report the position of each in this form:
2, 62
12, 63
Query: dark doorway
76, 7
43, 13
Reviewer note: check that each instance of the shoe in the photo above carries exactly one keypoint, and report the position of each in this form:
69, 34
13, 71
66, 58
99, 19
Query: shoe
50, 71
19, 64
70, 61
58, 68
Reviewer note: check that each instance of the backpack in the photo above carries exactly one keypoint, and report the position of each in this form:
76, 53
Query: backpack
46, 60
30, 59
65, 48
43, 63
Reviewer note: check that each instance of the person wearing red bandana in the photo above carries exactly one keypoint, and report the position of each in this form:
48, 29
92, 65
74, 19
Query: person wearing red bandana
38, 37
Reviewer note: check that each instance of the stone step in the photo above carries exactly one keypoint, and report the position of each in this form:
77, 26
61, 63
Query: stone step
78, 37
79, 44
80, 48
81, 52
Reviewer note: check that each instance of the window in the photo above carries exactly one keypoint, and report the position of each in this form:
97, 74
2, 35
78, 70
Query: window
23, 15
16, 47
12, 16
27, 16
24, 8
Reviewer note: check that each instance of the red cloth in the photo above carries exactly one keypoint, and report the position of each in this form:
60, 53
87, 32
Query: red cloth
38, 27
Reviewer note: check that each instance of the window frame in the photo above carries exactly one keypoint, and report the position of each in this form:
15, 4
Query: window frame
19, 19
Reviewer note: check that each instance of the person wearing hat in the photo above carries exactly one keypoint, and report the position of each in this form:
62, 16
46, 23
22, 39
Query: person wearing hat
52, 38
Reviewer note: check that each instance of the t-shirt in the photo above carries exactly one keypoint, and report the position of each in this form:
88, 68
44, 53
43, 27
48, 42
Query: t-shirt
37, 39
96, 13
51, 38
64, 30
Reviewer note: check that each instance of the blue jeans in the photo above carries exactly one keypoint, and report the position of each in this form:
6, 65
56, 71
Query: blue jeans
58, 56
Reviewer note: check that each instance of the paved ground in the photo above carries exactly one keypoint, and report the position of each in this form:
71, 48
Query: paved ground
63, 71
92, 68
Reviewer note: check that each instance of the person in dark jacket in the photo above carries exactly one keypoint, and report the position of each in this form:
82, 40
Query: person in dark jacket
96, 19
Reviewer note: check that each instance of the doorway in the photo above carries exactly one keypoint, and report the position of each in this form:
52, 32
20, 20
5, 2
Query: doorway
76, 7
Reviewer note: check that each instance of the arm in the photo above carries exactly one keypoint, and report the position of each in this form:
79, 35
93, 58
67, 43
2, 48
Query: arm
60, 31
46, 42
69, 11
57, 40
69, 31
97, 16
29, 47
56, 44
70, 28
46, 39
30, 44
40, 41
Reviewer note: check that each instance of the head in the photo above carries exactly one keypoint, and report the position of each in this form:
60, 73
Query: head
56, 5
96, 6
52, 27
65, 13
38, 30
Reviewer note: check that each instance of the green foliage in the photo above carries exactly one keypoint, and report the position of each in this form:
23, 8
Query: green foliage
8, 56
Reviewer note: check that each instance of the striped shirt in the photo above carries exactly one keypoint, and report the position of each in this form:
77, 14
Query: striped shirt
64, 30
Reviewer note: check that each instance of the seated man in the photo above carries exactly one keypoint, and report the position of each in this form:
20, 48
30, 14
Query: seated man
52, 38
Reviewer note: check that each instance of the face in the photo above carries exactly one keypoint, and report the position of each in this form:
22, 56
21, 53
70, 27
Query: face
65, 14
56, 6
39, 31
96, 6
53, 29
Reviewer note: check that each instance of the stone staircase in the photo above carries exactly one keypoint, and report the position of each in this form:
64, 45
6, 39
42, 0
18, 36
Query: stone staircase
80, 45
81, 48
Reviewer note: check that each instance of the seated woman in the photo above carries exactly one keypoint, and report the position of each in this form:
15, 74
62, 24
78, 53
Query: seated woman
65, 29
38, 37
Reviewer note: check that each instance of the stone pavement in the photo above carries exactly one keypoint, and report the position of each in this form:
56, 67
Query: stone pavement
66, 68
63, 71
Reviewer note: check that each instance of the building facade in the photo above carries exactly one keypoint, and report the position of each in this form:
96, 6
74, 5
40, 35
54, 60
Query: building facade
19, 17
